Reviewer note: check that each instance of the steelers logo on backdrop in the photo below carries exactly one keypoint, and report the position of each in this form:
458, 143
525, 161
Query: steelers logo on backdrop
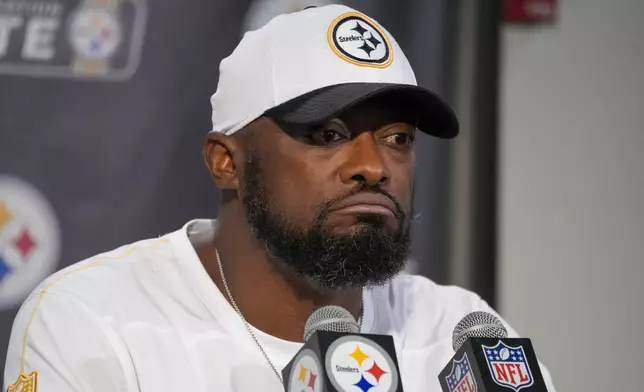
357, 39
305, 373
95, 33
86, 39
29, 240
360, 364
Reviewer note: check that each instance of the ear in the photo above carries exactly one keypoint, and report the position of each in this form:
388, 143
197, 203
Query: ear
221, 152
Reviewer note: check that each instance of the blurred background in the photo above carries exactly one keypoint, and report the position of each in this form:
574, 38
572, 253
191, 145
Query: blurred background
538, 205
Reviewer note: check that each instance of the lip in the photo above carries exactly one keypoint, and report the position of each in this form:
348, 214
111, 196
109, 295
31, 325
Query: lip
366, 203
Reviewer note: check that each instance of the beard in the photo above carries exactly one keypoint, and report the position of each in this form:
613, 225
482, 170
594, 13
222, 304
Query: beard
368, 256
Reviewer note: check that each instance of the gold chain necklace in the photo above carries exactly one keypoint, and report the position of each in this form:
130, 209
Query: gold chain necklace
247, 324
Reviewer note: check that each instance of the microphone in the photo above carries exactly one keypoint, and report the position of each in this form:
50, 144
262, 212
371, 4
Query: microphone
330, 318
337, 357
486, 360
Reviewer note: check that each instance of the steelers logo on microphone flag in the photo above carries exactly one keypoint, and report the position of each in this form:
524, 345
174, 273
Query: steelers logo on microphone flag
460, 377
305, 373
358, 363
508, 366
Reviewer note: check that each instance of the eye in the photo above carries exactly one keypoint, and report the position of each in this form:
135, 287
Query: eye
400, 139
327, 136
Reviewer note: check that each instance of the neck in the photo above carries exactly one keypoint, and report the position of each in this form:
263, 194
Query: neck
270, 300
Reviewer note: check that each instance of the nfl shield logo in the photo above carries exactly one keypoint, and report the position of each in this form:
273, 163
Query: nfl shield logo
460, 378
508, 366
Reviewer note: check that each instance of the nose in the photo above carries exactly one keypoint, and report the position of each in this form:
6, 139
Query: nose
365, 164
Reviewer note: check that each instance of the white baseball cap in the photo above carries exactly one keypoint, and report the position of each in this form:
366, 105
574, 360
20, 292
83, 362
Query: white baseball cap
308, 66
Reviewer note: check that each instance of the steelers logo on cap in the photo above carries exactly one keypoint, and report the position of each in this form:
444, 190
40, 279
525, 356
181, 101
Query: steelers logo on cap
357, 39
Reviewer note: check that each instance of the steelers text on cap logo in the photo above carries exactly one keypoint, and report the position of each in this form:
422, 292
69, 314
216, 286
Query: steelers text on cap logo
357, 39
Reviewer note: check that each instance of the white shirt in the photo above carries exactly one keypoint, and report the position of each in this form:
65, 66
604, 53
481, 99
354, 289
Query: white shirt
147, 317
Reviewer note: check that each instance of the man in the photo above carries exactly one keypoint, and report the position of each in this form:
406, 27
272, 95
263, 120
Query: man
314, 122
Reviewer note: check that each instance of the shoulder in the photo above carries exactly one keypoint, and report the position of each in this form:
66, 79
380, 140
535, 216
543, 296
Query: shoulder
427, 312
415, 291
109, 269
104, 282
78, 307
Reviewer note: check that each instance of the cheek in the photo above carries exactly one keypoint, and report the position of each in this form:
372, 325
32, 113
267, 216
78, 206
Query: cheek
402, 184
406, 197
296, 190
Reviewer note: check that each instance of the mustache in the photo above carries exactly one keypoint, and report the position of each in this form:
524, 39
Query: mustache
364, 188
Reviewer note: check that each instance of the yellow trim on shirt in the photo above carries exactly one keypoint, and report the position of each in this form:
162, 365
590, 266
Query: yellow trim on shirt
61, 277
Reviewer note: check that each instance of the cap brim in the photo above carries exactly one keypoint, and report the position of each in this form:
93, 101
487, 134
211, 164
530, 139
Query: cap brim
434, 116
